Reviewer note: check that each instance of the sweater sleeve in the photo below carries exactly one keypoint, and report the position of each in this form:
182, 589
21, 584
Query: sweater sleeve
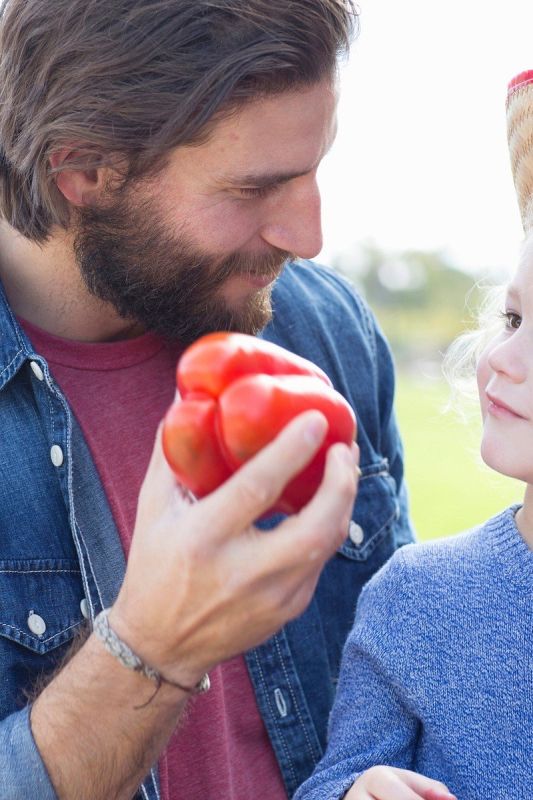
371, 723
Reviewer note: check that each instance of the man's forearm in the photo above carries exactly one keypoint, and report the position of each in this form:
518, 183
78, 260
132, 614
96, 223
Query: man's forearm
96, 743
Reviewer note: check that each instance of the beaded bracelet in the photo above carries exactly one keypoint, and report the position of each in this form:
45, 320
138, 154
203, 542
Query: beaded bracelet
123, 653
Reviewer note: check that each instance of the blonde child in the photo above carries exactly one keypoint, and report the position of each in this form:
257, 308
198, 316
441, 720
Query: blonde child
435, 698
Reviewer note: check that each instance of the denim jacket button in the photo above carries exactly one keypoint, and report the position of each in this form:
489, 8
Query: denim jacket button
56, 454
281, 703
84, 608
37, 371
36, 624
356, 533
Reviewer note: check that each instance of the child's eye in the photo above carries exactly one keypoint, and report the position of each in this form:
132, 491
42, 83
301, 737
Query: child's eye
512, 319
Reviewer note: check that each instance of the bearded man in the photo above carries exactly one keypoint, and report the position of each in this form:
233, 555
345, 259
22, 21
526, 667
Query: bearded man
158, 164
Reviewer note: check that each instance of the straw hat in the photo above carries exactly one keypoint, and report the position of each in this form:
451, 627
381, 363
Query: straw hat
520, 136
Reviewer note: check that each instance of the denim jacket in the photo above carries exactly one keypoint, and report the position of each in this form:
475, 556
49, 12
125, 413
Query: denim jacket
61, 559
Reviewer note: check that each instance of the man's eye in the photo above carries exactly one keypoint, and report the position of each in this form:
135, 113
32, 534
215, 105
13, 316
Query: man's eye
511, 319
258, 191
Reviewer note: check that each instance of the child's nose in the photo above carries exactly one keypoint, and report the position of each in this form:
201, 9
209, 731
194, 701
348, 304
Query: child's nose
507, 358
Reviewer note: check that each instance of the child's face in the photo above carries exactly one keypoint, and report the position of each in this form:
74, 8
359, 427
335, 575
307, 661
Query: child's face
505, 380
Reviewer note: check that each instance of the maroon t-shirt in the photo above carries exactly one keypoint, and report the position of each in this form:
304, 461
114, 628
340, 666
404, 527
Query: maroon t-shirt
119, 392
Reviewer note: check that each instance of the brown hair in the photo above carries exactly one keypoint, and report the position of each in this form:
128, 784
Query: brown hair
133, 79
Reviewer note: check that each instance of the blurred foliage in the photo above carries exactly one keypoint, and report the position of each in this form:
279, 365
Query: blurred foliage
421, 300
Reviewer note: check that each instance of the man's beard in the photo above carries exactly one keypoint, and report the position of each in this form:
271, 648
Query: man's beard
166, 283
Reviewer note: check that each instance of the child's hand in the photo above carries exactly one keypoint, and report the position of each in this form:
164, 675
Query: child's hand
390, 783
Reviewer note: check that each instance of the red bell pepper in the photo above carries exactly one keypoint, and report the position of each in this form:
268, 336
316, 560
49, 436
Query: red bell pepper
237, 393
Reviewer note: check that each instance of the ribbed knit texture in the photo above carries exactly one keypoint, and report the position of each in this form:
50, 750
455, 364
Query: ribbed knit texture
437, 674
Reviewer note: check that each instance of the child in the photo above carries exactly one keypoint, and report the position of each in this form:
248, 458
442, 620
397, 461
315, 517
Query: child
437, 675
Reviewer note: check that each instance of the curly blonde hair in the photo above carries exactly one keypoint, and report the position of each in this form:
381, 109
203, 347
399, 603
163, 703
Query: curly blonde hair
461, 358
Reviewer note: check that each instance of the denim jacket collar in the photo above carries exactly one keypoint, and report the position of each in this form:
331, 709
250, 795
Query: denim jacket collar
15, 346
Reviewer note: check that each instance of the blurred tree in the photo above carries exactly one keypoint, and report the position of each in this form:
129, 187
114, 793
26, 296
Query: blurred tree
421, 300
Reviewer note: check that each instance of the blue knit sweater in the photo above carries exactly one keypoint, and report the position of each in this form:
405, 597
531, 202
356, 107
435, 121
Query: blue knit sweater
437, 674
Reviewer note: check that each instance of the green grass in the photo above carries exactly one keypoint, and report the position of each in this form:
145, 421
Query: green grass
450, 488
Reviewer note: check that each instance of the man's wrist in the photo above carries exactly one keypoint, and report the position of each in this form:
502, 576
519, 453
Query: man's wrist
129, 659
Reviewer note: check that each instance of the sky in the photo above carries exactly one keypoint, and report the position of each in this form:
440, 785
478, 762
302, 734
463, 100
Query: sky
421, 158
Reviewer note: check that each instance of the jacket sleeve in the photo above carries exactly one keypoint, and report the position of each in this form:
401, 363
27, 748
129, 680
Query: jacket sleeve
371, 723
385, 436
22, 771
392, 446
378, 400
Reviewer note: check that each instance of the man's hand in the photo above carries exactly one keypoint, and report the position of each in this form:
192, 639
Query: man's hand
202, 583
390, 783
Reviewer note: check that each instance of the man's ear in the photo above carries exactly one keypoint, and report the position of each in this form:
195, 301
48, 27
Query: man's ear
79, 187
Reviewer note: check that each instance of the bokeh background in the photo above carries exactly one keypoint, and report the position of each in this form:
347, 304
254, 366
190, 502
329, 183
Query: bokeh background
420, 213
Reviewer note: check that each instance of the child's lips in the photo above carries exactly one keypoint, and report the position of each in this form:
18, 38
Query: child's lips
498, 408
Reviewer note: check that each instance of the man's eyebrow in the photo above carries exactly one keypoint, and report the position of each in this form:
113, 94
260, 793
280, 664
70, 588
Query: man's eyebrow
261, 179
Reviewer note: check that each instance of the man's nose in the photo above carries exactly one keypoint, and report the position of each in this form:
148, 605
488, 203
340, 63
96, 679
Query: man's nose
296, 223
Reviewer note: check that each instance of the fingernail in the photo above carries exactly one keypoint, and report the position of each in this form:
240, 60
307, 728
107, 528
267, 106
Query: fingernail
314, 429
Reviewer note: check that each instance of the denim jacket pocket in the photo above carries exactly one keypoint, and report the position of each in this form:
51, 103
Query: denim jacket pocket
375, 511
42, 603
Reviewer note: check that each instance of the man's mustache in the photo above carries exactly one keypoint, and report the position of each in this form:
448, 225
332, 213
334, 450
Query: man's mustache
254, 266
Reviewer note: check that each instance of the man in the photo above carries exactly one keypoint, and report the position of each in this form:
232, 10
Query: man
158, 178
